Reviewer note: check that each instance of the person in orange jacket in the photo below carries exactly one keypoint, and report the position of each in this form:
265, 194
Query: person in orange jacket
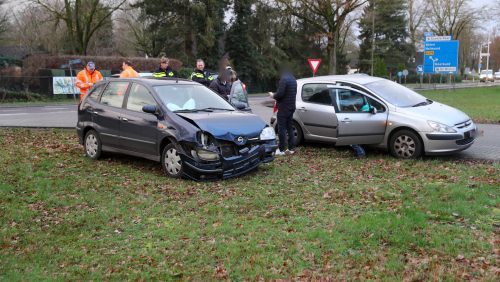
128, 71
86, 78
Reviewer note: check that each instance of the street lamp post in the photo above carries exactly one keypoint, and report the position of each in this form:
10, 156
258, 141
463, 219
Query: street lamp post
373, 34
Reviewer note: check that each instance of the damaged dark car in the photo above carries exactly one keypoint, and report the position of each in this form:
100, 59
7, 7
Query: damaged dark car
191, 130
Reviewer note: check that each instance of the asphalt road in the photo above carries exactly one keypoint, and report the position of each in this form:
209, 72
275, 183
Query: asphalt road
486, 147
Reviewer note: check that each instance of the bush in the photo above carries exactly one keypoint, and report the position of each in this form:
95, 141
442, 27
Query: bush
185, 72
17, 96
33, 63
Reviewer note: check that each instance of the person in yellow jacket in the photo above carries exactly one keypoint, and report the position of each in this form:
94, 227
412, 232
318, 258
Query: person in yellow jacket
86, 78
128, 71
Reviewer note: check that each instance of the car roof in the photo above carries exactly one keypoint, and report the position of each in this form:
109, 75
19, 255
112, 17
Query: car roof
358, 78
158, 81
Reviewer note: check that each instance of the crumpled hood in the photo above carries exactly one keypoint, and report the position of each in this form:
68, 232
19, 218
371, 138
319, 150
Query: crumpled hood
437, 112
227, 125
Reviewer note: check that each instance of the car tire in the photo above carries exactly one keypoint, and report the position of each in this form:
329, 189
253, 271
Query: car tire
92, 144
405, 144
172, 162
299, 136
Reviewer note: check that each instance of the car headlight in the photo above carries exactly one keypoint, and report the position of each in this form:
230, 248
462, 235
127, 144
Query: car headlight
267, 134
439, 127
207, 155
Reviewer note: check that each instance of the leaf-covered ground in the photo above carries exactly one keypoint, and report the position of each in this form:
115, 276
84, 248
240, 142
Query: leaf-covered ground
318, 214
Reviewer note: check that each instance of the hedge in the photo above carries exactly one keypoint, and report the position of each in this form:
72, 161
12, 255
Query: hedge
32, 63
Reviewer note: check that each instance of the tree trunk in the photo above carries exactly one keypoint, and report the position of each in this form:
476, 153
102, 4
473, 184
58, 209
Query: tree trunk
332, 55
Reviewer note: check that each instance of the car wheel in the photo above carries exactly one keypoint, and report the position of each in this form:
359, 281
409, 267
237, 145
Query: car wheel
93, 146
405, 144
172, 162
297, 131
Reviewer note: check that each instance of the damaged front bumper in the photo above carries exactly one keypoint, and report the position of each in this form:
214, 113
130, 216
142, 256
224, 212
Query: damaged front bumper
230, 164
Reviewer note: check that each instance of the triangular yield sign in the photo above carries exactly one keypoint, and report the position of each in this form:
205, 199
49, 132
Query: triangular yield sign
314, 64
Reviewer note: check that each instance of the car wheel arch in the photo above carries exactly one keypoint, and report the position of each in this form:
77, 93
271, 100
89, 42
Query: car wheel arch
397, 129
87, 129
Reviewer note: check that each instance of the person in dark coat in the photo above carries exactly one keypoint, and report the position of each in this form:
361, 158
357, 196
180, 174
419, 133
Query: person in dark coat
222, 84
285, 101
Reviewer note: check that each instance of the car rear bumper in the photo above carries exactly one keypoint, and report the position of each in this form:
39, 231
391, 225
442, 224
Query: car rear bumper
442, 143
231, 166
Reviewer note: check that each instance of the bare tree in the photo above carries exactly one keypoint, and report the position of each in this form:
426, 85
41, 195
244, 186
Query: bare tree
328, 17
4, 21
82, 18
417, 10
449, 17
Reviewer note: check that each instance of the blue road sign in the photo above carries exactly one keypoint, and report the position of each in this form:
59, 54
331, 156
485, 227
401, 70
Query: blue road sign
441, 56
480, 65
420, 68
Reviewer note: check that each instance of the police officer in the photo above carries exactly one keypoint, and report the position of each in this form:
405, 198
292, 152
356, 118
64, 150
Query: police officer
200, 75
164, 70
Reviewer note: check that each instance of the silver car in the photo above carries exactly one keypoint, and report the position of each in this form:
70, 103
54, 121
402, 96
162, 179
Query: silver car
361, 109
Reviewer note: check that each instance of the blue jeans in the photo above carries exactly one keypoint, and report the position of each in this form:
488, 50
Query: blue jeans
285, 126
358, 150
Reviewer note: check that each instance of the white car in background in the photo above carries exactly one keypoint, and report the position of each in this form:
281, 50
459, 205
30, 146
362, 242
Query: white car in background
497, 75
486, 75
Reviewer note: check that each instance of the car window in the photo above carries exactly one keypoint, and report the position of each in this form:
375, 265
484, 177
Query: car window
180, 97
318, 94
238, 93
114, 93
349, 101
94, 93
138, 97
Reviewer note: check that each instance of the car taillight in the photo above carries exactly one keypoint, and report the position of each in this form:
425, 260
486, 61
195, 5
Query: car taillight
275, 108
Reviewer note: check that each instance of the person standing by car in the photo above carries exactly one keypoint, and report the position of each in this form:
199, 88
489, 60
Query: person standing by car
222, 84
86, 78
164, 70
128, 71
285, 101
200, 75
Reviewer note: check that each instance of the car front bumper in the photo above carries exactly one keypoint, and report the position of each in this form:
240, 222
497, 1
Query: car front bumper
446, 143
228, 167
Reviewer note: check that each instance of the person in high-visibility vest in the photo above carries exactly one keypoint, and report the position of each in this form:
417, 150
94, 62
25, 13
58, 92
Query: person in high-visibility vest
128, 71
200, 75
164, 70
86, 78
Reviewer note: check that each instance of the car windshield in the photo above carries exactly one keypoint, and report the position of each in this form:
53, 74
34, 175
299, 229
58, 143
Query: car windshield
397, 94
181, 97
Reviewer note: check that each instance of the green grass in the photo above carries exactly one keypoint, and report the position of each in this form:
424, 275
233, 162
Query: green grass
318, 214
481, 104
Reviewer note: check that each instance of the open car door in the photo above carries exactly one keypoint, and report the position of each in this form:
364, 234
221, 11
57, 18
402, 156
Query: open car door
238, 96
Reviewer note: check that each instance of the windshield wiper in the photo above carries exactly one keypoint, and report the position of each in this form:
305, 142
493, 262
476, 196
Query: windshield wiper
212, 108
426, 102
193, 110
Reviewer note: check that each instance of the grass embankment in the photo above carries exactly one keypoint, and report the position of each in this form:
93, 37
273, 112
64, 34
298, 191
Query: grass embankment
320, 213
482, 104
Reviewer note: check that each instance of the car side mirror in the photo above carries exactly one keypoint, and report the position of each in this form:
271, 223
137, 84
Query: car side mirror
150, 109
373, 110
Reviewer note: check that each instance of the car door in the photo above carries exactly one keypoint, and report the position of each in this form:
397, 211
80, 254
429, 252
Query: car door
316, 112
106, 113
86, 112
238, 96
358, 123
138, 129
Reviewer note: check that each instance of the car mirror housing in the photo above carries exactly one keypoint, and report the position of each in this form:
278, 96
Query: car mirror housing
151, 109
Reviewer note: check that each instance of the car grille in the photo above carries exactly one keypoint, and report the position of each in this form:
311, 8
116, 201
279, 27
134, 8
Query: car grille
229, 149
465, 141
463, 124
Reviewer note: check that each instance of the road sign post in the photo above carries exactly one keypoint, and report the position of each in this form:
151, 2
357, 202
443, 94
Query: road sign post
314, 64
